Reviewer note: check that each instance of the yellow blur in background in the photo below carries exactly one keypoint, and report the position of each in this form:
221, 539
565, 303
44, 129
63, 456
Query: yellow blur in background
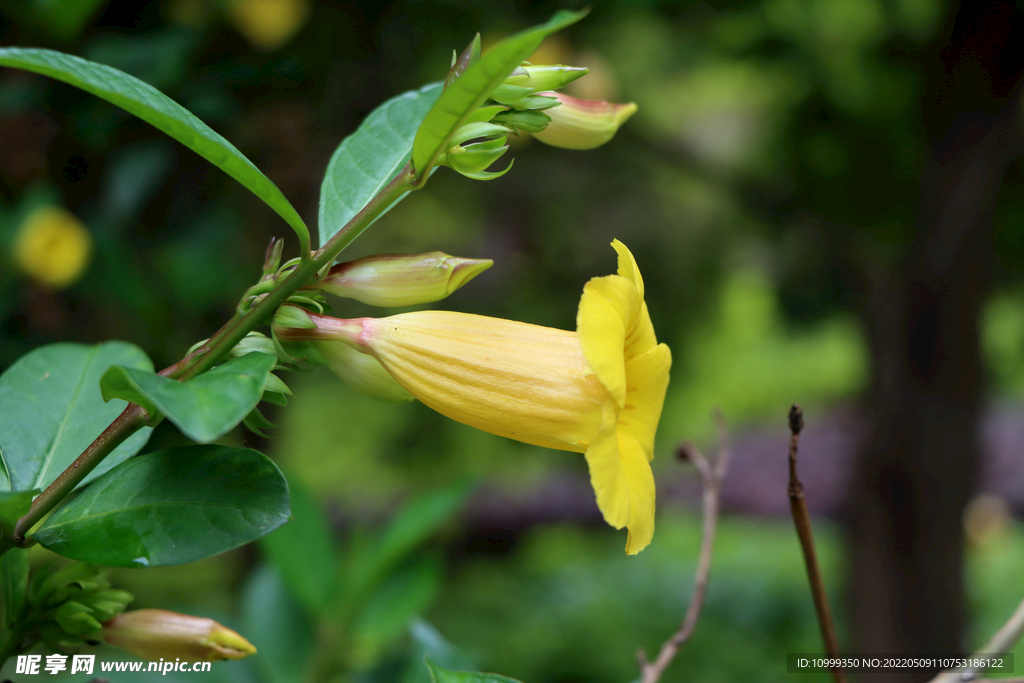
53, 247
268, 24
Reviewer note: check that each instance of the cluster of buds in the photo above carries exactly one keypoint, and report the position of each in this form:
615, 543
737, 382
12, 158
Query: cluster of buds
72, 604
526, 102
75, 606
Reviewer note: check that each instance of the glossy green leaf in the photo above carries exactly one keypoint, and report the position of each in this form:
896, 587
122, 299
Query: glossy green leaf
153, 107
14, 584
441, 675
204, 408
303, 552
458, 102
371, 157
51, 409
171, 507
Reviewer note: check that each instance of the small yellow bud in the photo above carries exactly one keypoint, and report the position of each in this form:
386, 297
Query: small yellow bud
583, 124
155, 633
52, 247
402, 279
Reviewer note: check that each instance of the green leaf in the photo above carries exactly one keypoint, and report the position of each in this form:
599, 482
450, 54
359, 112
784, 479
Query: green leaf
51, 409
411, 526
283, 634
303, 553
171, 507
13, 506
204, 408
14, 580
440, 675
388, 611
371, 157
458, 102
428, 641
155, 108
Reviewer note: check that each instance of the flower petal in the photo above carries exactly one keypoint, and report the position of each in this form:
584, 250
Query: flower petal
606, 475
640, 481
603, 320
627, 266
646, 380
640, 336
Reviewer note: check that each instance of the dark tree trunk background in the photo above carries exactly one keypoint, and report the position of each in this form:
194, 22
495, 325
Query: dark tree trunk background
920, 463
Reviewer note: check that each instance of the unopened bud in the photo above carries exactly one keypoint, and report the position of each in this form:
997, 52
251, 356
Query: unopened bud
155, 633
528, 121
76, 619
401, 279
362, 372
545, 77
583, 124
462, 62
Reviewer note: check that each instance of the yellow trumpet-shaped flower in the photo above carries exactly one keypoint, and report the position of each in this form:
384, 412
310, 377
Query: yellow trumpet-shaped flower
598, 390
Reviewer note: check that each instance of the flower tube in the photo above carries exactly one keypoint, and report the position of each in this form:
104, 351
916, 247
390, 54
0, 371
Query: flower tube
598, 391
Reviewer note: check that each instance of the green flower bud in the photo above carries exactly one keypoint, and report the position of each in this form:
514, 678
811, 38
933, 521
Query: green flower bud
462, 62
400, 279
272, 261
362, 372
528, 121
253, 342
155, 633
545, 77
583, 124
76, 619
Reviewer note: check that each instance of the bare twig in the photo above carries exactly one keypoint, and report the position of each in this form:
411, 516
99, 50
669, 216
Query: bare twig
711, 481
1003, 641
802, 520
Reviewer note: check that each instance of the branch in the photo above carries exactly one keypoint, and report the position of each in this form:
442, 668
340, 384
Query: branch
711, 481
1000, 643
802, 520
205, 358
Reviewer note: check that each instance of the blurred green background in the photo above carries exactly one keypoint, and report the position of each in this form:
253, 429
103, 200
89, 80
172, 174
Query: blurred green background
771, 172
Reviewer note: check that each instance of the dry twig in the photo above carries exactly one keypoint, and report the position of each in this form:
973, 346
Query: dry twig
1002, 642
711, 481
802, 520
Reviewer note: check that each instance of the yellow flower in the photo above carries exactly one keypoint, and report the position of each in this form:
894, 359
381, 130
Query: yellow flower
52, 247
597, 391
158, 634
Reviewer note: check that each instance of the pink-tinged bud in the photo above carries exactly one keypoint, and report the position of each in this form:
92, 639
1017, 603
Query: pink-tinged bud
402, 279
583, 124
155, 633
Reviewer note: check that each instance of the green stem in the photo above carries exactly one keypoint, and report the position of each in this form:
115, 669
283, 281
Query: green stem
214, 351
